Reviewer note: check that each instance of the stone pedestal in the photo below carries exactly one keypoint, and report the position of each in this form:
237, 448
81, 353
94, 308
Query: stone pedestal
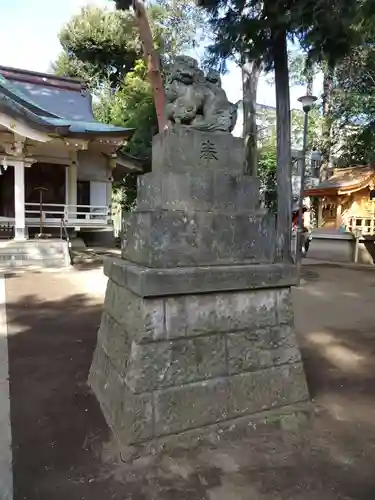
197, 326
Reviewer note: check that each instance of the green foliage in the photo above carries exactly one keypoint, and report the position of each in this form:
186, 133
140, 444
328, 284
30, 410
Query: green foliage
132, 106
267, 133
353, 112
348, 98
302, 71
98, 45
314, 128
102, 45
178, 26
267, 149
359, 148
267, 175
326, 30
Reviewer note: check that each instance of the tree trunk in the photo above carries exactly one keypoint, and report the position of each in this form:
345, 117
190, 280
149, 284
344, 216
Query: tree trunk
284, 156
309, 79
250, 77
327, 122
152, 60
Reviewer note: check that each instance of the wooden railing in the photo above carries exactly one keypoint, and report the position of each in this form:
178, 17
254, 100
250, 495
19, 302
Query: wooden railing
363, 224
6, 231
52, 213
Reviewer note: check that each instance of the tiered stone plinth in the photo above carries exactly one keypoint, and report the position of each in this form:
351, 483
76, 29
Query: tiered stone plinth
197, 326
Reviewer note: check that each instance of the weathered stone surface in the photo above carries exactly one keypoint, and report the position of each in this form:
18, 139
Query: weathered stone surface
292, 418
203, 191
115, 342
196, 405
192, 315
223, 312
147, 282
253, 392
191, 406
198, 359
138, 417
148, 366
176, 238
257, 349
130, 416
196, 99
285, 313
163, 364
143, 319
108, 395
180, 149
217, 357
197, 327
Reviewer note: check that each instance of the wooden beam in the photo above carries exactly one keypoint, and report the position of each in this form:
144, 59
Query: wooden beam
76, 144
22, 129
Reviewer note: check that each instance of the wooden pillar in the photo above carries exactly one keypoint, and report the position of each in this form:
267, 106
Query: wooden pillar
20, 232
338, 213
320, 212
71, 186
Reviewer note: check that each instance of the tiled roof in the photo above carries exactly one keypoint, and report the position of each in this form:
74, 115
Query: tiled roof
52, 102
346, 179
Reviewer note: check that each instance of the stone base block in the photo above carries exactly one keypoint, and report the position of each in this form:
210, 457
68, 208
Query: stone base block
171, 364
138, 418
204, 191
162, 239
156, 282
183, 149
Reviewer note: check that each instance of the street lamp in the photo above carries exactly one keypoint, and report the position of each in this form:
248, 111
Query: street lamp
307, 102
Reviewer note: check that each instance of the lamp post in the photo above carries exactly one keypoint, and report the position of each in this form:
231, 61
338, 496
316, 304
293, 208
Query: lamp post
307, 102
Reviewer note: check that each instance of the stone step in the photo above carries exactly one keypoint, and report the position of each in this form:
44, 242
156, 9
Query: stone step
38, 253
10, 263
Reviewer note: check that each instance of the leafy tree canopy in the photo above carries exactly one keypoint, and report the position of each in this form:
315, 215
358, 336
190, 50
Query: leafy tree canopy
325, 29
353, 106
103, 45
98, 45
132, 105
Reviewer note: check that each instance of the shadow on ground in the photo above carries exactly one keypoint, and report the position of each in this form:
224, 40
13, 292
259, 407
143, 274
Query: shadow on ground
61, 443
56, 424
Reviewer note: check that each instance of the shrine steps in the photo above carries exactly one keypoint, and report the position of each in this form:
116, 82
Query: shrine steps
39, 253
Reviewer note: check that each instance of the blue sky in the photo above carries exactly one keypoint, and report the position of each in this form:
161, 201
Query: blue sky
28, 39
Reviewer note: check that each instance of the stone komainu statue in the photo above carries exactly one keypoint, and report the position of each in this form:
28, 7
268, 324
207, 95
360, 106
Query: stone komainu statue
197, 100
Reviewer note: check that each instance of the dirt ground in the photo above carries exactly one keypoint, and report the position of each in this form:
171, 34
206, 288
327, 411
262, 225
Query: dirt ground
60, 440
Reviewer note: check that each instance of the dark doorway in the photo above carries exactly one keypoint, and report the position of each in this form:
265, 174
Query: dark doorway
49, 176
83, 198
83, 192
7, 192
